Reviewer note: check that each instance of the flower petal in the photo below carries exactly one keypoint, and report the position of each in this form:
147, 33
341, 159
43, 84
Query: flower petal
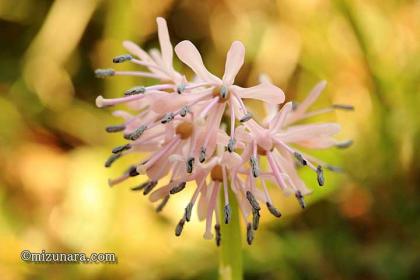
136, 50
321, 142
231, 160
270, 109
309, 100
159, 193
165, 102
165, 42
265, 92
277, 121
242, 135
300, 133
189, 54
234, 62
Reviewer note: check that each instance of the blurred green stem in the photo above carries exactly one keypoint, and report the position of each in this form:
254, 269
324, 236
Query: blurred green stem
230, 265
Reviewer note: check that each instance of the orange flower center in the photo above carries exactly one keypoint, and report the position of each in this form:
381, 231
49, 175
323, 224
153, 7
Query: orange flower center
217, 173
184, 130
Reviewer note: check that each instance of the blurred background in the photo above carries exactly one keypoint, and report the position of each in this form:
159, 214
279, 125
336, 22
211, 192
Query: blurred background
53, 186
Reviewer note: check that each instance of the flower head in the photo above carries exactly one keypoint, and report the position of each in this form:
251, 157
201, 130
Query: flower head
178, 125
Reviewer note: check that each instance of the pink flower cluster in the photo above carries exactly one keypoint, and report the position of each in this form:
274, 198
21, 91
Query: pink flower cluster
200, 131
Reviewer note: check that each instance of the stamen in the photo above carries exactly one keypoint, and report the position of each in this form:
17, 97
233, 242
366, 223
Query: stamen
249, 234
137, 74
209, 106
218, 234
168, 117
180, 88
300, 158
122, 178
255, 219
135, 90
294, 105
132, 171
300, 199
279, 119
136, 133
180, 227
276, 171
140, 187
344, 144
333, 168
162, 204
254, 166
184, 111
273, 210
190, 164
167, 148
202, 156
112, 159
104, 102
343, 107
122, 58
246, 117
149, 187
231, 145
215, 186
227, 213
253, 201
223, 92
320, 175
115, 128
121, 148
102, 73
232, 120
178, 188
188, 211
226, 209
241, 103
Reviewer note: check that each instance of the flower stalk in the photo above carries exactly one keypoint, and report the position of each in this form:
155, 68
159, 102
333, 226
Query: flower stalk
230, 260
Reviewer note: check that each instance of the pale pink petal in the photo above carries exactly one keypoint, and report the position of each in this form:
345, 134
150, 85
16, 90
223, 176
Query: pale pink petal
165, 42
288, 167
136, 50
242, 135
189, 54
122, 114
146, 147
259, 195
213, 127
144, 56
306, 132
159, 169
169, 102
244, 205
202, 203
157, 58
309, 100
231, 160
234, 61
270, 109
277, 122
265, 92
160, 193
256, 129
321, 142
222, 137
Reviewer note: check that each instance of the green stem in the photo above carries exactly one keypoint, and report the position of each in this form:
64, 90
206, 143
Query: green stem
230, 265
